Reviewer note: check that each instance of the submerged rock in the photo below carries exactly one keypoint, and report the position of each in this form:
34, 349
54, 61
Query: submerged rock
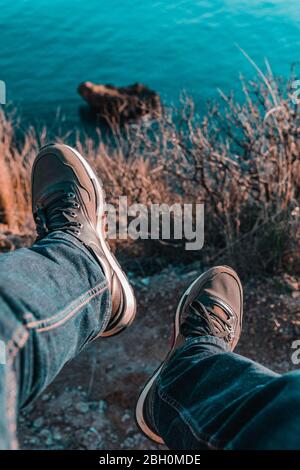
116, 104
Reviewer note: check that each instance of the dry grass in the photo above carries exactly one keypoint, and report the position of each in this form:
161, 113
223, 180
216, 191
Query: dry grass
14, 181
241, 159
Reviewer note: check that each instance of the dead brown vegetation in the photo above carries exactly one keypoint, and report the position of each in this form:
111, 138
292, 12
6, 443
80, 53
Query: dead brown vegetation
241, 159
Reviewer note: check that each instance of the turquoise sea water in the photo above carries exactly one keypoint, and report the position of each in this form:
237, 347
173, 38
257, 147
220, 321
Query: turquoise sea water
49, 47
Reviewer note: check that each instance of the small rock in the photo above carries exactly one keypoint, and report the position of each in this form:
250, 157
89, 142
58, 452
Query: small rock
38, 423
49, 441
57, 436
82, 407
146, 281
34, 441
125, 417
45, 433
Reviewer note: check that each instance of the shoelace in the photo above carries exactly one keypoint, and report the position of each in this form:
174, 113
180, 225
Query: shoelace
58, 215
214, 323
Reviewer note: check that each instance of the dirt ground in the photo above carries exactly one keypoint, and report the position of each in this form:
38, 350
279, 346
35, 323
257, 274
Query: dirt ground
91, 403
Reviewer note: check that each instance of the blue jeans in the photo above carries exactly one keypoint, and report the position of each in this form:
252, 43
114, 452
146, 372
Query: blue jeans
210, 398
54, 300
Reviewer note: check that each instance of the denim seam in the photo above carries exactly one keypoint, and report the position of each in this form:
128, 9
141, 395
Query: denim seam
206, 439
70, 314
206, 340
13, 347
210, 340
78, 245
199, 435
16, 343
151, 396
107, 316
66, 313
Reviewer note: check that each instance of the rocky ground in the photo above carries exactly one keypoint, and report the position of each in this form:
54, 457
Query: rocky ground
90, 404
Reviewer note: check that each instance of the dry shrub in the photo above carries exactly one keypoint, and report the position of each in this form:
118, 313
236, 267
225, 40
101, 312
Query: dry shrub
131, 175
15, 162
241, 159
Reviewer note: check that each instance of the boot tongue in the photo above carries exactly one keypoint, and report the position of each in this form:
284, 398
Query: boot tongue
60, 212
51, 213
195, 322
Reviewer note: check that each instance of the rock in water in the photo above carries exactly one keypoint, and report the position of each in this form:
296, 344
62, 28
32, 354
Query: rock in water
117, 104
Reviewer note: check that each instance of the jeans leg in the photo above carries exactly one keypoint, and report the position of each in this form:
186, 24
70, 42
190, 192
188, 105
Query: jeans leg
54, 299
210, 398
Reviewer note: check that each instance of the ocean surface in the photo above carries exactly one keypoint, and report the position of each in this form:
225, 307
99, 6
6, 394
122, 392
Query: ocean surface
49, 47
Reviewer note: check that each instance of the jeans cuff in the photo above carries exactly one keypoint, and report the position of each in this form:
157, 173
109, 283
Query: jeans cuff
209, 345
213, 343
73, 240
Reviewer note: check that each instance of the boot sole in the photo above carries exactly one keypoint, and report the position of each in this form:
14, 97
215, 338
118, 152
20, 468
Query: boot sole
189, 293
129, 313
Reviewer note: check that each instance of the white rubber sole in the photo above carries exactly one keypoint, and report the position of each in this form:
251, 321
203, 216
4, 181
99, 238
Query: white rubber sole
129, 299
139, 412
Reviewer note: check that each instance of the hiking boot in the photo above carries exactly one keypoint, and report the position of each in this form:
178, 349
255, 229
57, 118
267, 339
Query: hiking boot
211, 306
67, 196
